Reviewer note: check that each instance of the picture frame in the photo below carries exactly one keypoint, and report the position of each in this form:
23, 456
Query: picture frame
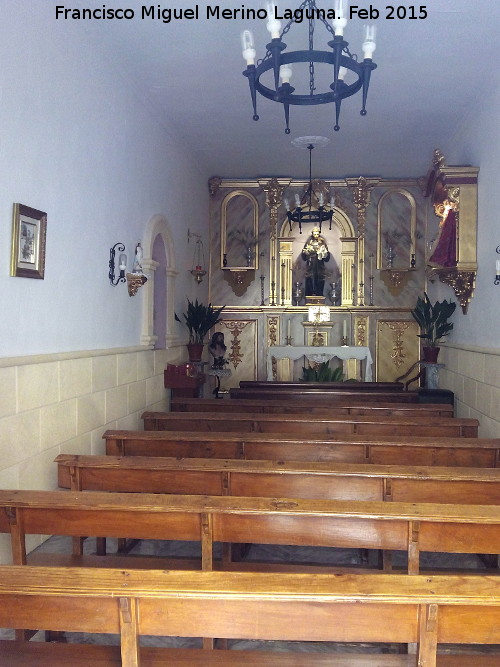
29, 231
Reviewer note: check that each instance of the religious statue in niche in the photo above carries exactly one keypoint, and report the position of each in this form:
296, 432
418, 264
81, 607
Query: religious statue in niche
217, 349
315, 253
444, 251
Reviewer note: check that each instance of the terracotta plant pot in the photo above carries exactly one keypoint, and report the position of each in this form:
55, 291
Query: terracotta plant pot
195, 350
431, 354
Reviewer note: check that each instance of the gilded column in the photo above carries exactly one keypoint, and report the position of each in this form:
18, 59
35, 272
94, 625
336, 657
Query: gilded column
274, 195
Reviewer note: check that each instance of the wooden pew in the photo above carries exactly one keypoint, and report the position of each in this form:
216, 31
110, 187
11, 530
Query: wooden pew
306, 424
310, 395
408, 527
384, 450
307, 607
268, 406
279, 479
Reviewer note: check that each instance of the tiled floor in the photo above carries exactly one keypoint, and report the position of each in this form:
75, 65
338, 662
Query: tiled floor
338, 557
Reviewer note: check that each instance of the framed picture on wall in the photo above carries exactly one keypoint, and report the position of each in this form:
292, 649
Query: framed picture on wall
29, 229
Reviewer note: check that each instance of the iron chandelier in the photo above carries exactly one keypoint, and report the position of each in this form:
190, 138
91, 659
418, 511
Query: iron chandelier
280, 62
304, 211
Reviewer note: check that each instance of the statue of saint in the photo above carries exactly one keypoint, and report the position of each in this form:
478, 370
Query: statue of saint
315, 253
444, 251
217, 349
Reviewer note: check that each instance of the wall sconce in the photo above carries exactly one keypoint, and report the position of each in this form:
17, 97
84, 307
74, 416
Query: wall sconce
497, 266
122, 264
197, 269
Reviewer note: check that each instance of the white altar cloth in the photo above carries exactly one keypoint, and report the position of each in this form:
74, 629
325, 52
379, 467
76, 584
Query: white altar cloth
319, 355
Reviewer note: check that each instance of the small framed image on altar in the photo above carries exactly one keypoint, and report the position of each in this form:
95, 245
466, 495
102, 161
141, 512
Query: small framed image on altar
317, 338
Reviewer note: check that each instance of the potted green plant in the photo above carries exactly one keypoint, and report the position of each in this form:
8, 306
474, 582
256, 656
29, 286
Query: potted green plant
433, 323
199, 319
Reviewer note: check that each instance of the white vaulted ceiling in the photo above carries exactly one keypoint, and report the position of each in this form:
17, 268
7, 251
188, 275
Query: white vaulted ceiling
429, 74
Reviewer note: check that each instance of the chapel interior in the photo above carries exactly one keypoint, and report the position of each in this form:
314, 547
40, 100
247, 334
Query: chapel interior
130, 147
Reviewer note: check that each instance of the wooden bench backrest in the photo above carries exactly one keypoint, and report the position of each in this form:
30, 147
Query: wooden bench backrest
279, 479
332, 397
410, 450
309, 423
267, 406
377, 608
406, 527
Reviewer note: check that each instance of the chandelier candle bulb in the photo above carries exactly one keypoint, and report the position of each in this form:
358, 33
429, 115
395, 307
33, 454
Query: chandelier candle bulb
285, 73
369, 45
273, 25
340, 20
247, 45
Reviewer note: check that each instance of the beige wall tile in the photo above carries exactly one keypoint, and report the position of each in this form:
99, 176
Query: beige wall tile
483, 398
127, 368
104, 372
161, 358
136, 396
91, 412
80, 445
155, 391
116, 403
145, 364
40, 471
492, 370
131, 422
9, 478
494, 411
8, 391
37, 384
98, 445
470, 392
58, 423
489, 428
19, 437
75, 377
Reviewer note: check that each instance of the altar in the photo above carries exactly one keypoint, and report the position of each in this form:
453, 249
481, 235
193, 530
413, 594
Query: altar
291, 353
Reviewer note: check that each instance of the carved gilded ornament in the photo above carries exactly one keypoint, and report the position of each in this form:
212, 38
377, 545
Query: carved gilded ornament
214, 184
235, 327
398, 352
361, 191
462, 282
272, 324
361, 330
274, 196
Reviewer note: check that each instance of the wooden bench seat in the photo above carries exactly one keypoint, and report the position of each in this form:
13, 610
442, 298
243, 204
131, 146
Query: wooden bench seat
267, 406
321, 480
306, 607
407, 450
409, 527
305, 424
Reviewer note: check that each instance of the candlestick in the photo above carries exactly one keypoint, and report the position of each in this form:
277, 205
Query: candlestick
344, 329
371, 290
288, 328
371, 264
262, 300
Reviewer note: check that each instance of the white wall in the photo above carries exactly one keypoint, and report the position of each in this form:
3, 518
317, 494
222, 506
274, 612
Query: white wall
77, 142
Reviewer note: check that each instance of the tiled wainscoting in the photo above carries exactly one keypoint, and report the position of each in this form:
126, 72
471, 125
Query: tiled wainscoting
62, 404
473, 374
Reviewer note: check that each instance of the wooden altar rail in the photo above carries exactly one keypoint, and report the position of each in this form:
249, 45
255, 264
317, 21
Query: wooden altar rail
269, 406
384, 450
279, 479
325, 386
408, 527
306, 424
307, 607
330, 396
